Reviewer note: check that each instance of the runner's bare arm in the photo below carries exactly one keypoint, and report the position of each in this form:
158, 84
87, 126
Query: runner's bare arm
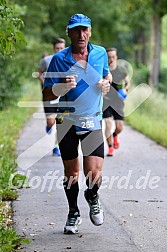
59, 89
41, 77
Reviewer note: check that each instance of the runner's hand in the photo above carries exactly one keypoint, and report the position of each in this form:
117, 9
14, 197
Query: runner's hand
104, 85
60, 89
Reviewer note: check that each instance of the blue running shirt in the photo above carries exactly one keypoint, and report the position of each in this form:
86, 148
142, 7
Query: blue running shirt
86, 97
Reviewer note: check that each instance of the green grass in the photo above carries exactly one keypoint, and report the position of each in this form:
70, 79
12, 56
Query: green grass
164, 59
9, 240
151, 118
12, 121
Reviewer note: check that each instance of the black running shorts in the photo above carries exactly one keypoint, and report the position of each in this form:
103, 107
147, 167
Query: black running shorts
92, 143
110, 112
50, 109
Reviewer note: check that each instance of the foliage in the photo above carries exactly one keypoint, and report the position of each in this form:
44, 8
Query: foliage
161, 7
16, 70
164, 32
19, 181
151, 118
28, 59
162, 87
121, 24
11, 41
36, 17
109, 26
11, 36
12, 121
8, 194
10, 84
140, 75
9, 240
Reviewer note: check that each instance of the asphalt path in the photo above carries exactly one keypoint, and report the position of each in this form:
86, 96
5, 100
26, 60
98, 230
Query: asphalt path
133, 195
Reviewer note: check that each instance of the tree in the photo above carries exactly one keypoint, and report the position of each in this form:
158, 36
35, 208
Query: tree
137, 16
11, 36
159, 9
11, 41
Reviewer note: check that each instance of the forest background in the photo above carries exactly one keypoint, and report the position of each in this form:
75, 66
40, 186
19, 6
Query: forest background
138, 29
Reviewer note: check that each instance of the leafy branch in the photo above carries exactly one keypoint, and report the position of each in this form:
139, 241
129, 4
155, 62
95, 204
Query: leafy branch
11, 25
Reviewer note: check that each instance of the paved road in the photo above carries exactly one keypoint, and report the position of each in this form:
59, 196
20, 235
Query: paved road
133, 195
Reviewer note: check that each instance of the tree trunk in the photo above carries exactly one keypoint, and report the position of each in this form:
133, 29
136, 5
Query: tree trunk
144, 55
155, 48
140, 51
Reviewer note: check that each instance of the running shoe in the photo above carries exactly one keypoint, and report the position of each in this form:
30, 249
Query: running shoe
110, 152
56, 152
116, 142
72, 223
96, 212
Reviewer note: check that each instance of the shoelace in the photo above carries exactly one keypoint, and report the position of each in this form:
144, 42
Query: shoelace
72, 221
95, 207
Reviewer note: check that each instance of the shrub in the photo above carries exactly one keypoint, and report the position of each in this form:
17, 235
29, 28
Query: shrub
10, 85
162, 86
140, 75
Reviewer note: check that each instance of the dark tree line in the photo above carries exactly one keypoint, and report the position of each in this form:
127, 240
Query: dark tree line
134, 27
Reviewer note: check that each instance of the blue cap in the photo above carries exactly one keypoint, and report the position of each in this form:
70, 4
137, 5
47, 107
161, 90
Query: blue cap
79, 20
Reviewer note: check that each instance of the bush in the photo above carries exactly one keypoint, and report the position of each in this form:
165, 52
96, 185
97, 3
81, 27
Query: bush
162, 86
140, 75
10, 85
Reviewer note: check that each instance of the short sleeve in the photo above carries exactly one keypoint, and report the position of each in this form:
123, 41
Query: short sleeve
106, 70
42, 65
51, 76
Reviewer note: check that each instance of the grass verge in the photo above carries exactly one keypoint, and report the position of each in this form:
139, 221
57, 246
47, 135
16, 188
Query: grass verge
12, 121
151, 118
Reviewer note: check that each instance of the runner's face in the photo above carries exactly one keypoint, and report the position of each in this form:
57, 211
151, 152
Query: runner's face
112, 57
58, 47
80, 36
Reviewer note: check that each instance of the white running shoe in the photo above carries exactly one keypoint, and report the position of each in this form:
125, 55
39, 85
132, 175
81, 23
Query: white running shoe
96, 212
72, 223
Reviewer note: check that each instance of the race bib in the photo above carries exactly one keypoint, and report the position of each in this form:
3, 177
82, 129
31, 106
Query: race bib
86, 124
